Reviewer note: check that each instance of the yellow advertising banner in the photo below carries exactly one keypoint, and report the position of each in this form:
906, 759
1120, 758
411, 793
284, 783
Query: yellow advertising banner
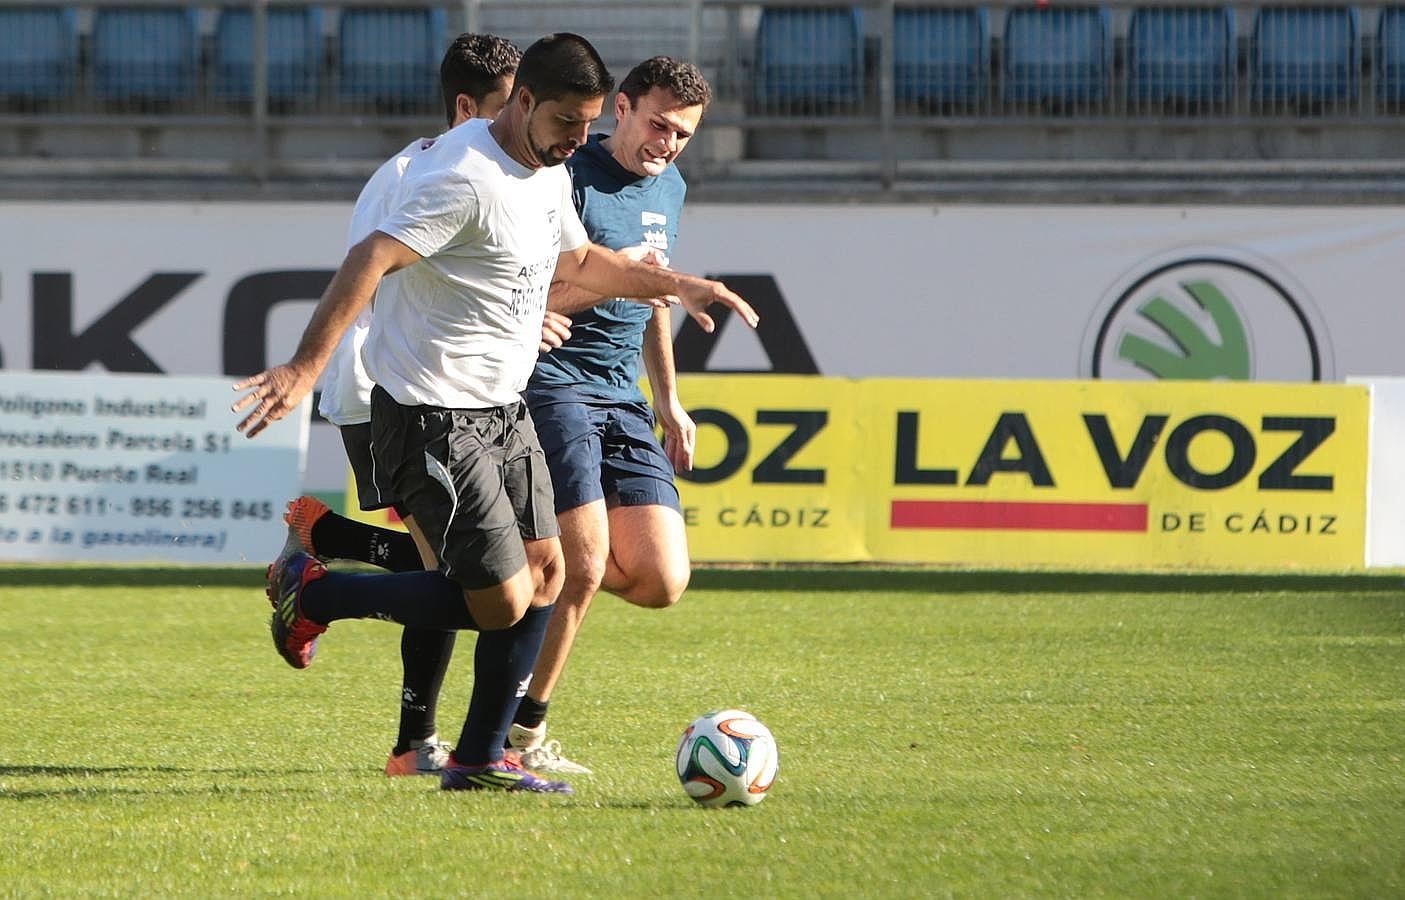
1102, 474
1009, 474
778, 471
1086, 474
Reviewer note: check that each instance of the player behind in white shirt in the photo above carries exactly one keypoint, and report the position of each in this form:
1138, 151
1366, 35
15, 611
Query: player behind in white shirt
475, 78
484, 219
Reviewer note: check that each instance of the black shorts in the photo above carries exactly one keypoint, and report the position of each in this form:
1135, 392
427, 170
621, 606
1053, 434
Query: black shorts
357, 441
474, 479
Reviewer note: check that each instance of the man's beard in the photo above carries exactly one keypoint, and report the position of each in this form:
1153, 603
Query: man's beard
547, 157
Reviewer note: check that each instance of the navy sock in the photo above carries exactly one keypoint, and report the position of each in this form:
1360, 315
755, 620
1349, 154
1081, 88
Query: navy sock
414, 599
424, 653
337, 537
502, 669
530, 713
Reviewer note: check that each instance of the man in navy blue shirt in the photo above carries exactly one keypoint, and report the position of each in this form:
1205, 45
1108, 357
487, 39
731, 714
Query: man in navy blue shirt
621, 524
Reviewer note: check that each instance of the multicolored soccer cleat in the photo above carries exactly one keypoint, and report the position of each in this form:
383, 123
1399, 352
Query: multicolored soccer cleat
303, 513
427, 757
294, 635
503, 775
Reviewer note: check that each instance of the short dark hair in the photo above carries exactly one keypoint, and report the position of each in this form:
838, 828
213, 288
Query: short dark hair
473, 65
563, 64
684, 79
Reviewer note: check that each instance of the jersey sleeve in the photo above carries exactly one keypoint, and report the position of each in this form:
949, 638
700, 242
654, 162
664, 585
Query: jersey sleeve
573, 234
432, 211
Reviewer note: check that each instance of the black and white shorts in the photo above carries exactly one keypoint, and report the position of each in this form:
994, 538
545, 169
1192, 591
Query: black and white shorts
357, 441
475, 480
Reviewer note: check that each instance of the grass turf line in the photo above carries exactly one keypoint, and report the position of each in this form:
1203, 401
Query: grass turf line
939, 735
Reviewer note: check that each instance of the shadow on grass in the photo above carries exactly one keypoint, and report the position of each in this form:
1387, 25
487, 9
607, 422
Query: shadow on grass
125, 781
107, 771
836, 578
119, 781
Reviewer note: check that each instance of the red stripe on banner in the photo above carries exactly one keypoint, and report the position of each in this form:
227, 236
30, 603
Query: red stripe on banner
1010, 514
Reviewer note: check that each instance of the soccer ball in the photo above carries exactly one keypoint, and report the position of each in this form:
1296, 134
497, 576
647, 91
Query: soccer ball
727, 758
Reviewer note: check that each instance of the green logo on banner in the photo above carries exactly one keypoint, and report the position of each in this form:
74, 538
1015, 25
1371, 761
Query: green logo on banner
1206, 318
1197, 354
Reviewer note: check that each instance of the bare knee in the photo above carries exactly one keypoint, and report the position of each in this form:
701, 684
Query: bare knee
503, 605
548, 579
548, 570
582, 582
658, 588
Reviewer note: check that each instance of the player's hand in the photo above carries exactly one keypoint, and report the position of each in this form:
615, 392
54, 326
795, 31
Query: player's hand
700, 293
680, 434
650, 256
273, 393
556, 330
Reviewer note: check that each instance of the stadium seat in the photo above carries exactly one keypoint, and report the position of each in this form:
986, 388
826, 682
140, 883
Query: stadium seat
808, 59
940, 55
389, 56
38, 52
1180, 57
294, 52
1390, 58
1305, 57
1059, 57
148, 53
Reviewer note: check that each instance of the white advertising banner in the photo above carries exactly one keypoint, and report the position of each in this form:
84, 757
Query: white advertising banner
139, 468
1385, 499
856, 290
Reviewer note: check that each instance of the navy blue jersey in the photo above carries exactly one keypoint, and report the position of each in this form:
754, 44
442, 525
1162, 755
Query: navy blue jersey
619, 209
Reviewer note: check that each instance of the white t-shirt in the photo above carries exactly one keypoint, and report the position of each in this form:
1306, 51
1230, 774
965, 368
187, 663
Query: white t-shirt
461, 328
346, 388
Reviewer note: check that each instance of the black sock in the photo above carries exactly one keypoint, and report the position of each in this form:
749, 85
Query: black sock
414, 599
502, 669
530, 713
424, 653
337, 537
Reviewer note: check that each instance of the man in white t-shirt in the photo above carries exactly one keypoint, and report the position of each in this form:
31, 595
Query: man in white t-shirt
475, 78
483, 220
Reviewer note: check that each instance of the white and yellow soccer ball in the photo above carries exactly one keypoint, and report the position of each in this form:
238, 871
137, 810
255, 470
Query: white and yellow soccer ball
727, 758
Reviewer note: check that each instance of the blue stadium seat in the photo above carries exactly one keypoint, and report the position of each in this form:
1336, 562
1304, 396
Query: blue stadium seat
389, 56
1390, 58
38, 52
940, 55
145, 53
1060, 57
1180, 56
294, 52
808, 58
1305, 56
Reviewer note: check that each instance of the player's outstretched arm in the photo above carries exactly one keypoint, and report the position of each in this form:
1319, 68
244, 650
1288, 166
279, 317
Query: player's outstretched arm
277, 391
568, 298
612, 275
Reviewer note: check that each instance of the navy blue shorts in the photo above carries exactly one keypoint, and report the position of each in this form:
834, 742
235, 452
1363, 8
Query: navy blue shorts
601, 450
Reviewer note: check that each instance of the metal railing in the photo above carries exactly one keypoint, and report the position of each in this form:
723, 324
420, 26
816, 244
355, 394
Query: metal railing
262, 79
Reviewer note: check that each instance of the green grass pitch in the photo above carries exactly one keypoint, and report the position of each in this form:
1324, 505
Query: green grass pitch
941, 734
